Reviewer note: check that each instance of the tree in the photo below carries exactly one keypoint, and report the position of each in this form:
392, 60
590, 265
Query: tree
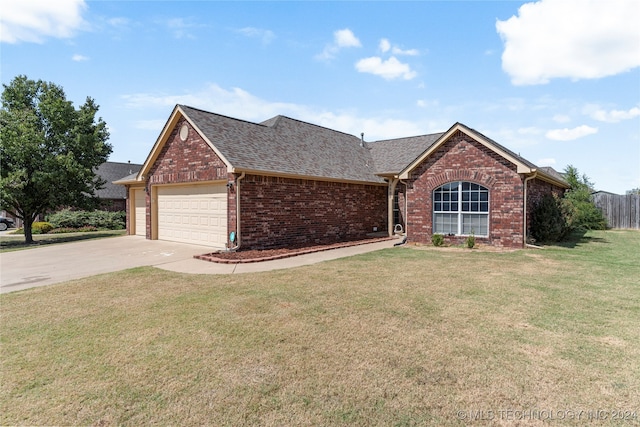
633, 191
48, 150
578, 207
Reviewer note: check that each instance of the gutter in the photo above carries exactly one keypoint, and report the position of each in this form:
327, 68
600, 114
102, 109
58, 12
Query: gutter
390, 196
406, 207
524, 231
238, 240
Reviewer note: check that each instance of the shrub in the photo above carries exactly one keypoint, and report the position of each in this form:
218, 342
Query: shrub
73, 230
437, 240
548, 222
471, 241
67, 218
577, 205
41, 228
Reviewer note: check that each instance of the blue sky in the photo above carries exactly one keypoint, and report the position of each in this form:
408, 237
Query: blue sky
557, 81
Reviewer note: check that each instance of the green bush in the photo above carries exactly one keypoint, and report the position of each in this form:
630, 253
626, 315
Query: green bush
41, 228
471, 241
73, 230
437, 240
67, 218
548, 222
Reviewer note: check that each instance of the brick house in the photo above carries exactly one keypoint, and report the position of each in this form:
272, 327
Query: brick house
224, 182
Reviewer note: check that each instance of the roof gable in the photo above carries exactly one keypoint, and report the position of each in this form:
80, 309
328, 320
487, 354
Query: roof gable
523, 166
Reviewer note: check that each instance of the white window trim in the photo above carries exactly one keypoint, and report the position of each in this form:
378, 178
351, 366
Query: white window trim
460, 213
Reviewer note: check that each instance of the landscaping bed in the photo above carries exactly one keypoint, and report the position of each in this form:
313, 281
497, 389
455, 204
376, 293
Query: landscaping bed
242, 256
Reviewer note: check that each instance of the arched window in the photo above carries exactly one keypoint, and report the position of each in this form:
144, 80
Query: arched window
461, 208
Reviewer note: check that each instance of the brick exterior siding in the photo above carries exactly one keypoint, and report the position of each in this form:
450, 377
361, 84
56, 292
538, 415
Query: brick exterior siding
280, 212
463, 159
189, 161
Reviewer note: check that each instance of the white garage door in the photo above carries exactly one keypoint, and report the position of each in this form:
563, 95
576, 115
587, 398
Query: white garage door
140, 212
194, 214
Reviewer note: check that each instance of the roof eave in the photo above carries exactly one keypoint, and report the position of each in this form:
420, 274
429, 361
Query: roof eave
550, 179
302, 176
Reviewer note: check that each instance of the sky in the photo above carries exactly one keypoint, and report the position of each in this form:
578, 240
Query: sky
557, 81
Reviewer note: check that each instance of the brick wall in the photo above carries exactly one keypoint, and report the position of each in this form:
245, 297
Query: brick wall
463, 159
186, 161
285, 212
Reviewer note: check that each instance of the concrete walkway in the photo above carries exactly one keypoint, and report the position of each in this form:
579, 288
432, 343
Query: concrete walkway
51, 264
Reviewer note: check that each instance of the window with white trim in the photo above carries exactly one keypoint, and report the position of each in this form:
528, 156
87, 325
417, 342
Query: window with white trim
461, 208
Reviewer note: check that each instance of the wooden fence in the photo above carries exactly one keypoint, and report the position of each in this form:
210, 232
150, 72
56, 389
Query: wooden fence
620, 211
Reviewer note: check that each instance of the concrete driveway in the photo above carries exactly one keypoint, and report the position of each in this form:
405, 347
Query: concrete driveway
58, 263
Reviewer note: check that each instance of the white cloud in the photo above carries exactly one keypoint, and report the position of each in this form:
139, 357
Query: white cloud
79, 58
384, 45
546, 162
239, 103
561, 118
615, 116
576, 39
567, 134
346, 38
408, 52
341, 39
181, 28
390, 69
266, 36
34, 20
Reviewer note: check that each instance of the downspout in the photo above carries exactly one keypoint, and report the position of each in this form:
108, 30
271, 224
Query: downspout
524, 231
238, 240
390, 196
406, 208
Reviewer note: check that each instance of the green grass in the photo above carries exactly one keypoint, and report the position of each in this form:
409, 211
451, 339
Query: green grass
15, 242
405, 336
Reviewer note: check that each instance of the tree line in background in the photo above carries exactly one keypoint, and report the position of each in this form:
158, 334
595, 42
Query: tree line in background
554, 218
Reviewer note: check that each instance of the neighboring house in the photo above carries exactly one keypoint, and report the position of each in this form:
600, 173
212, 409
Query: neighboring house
112, 196
223, 182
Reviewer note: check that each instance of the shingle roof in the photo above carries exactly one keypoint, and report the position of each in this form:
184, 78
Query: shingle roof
113, 171
284, 145
393, 155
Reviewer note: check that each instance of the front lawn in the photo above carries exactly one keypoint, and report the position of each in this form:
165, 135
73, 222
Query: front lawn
403, 336
14, 241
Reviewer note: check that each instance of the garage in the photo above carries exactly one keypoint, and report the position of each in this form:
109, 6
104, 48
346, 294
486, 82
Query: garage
195, 214
140, 213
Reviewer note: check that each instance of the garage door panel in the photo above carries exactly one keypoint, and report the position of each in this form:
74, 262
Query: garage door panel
140, 212
193, 214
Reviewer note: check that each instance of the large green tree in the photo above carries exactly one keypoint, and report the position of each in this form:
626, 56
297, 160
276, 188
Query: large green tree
580, 211
48, 150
